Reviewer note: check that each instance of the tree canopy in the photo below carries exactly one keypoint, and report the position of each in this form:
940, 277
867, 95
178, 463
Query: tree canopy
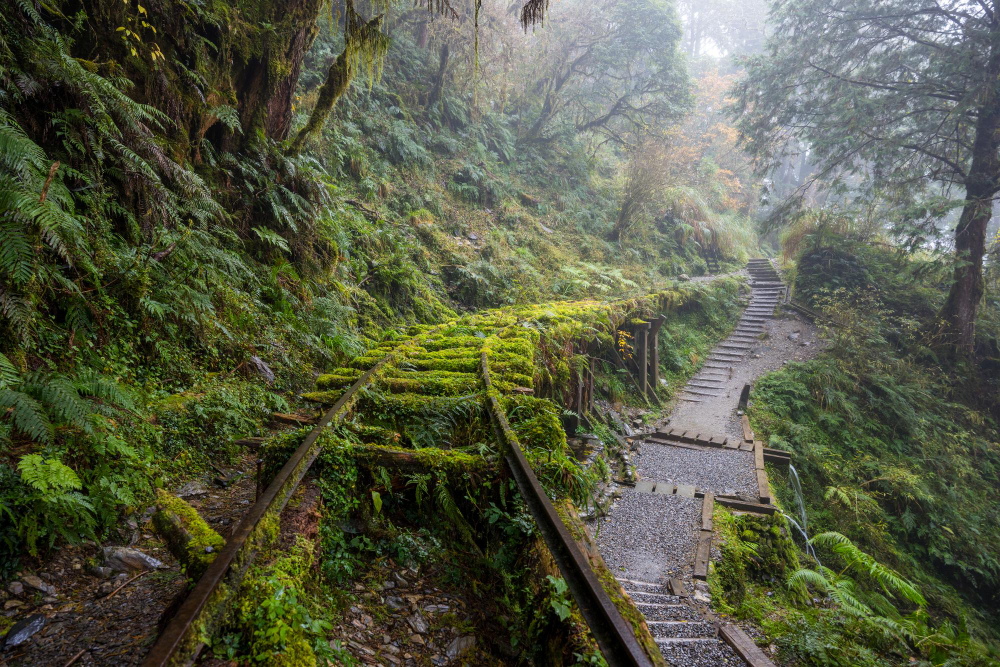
901, 94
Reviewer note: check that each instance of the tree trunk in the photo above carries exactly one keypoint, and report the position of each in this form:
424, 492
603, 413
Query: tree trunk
438, 87
265, 82
338, 78
958, 315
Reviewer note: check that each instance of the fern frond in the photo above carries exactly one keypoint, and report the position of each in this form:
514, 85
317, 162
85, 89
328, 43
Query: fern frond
27, 414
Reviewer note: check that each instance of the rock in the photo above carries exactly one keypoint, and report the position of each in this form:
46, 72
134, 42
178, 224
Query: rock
436, 608
99, 572
23, 630
124, 559
702, 597
473, 236
416, 639
16, 588
460, 646
793, 336
12, 604
684, 277
545, 229
395, 602
192, 490
262, 368
227, 478
31, 581
417, 623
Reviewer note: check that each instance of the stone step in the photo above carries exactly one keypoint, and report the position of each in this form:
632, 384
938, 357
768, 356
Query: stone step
669, 644
658, 598
681, 629
641, 584
704, 384
701, 392
666, 612
735, 345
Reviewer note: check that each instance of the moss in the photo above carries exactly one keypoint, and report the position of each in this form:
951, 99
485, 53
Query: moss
189, 538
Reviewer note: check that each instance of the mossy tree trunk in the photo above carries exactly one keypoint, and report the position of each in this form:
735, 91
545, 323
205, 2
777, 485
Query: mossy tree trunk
338, 78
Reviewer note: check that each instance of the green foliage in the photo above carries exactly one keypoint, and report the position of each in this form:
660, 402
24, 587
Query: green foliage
279, 622
54, 506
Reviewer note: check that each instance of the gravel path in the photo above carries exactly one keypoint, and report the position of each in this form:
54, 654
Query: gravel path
724, 471
649, 537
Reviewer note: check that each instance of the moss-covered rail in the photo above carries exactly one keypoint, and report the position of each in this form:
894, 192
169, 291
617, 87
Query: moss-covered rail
613, 633
510, 357
203, 609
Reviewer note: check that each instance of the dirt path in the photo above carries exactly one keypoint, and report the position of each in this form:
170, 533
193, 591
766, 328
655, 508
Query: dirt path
651, 536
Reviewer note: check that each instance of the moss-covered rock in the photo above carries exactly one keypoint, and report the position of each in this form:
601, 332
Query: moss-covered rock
188, 537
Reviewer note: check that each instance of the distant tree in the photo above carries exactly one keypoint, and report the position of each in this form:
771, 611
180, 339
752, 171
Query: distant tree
904, 93
613, 68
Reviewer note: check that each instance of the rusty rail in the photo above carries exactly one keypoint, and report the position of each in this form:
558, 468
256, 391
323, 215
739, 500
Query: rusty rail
614, 635
198, 617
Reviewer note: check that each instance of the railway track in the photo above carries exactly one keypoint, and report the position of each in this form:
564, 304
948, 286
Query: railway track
479, 359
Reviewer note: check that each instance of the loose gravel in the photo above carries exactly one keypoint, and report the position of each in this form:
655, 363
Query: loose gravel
725, 471
714, 653
650, 537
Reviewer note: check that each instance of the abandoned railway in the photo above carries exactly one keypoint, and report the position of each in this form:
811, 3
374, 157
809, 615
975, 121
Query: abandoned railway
636, 569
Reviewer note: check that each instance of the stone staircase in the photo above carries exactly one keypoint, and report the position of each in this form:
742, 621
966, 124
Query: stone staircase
766, 291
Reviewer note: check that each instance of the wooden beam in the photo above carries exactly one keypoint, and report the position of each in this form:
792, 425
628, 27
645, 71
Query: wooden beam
745, 506
703, 555
642, 334
777, 456
744, 646
758, 455
764, 490
747, 433
707, 507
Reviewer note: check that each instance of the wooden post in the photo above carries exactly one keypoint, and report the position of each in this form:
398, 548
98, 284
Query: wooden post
642, 344
590, 388
654, 341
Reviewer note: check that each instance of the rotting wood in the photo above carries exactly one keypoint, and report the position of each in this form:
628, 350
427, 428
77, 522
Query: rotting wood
744, 646
707, 508
764, 490
745, 505
295, 420
777, 456
703, 555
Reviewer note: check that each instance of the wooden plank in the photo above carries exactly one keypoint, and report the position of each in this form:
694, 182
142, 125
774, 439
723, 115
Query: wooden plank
689, 437
744, 646
762, 486
674, 443
758, 455
707, 507
731, 444
717, 441
677, 587
664, 488
676, 433
746, 447
645, 486
777, 456
702, 439
703, 555
745, 506
747, 433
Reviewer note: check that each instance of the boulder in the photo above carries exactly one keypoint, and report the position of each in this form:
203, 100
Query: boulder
23, 630
124, 559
